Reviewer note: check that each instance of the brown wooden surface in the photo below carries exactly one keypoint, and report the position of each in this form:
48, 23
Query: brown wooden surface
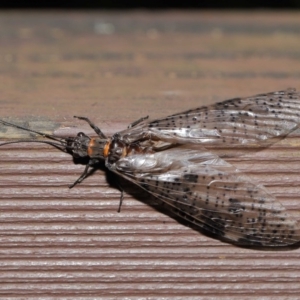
115, 68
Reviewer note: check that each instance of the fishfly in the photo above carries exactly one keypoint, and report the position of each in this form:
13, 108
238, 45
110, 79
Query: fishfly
168, 158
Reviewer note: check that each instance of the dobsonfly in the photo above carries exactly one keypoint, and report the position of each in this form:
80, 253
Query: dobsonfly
168, 158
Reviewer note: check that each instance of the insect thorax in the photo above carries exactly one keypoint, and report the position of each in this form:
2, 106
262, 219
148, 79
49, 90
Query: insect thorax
118, 148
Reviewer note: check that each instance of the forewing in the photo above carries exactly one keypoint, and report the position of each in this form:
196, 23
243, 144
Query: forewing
239, 121
212, 194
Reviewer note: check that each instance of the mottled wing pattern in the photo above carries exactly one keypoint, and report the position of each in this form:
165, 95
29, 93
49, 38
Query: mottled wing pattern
212, 194
239, 121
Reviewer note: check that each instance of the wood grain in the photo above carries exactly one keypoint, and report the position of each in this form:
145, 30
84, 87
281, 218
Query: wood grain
114, 68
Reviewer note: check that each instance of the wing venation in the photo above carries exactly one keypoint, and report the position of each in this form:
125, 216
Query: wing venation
212, 194
239, 121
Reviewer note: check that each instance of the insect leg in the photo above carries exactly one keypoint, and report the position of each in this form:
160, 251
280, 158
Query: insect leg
137, 122
96, 128
121, 200
81, 177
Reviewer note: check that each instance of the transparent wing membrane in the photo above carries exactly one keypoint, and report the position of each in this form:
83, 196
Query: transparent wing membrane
238, 121
213, 195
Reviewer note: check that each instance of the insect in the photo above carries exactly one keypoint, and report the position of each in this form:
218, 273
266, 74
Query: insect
167, 158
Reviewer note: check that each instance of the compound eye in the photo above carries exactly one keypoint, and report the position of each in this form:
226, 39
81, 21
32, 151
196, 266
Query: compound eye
80, 134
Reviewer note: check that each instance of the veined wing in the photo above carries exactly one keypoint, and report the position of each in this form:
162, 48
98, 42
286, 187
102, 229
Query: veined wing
212, 194
239, 121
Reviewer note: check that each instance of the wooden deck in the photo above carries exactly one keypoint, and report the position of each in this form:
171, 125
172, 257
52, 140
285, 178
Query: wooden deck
114, 68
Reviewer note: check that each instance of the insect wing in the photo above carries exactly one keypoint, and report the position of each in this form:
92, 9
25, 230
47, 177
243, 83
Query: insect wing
240, 121
212, 194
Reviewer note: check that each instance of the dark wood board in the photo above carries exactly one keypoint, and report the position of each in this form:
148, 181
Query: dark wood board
115, 67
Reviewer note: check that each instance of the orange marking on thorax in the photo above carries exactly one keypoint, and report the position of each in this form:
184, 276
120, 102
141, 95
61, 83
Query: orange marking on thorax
124, 152
90, 147
106, 148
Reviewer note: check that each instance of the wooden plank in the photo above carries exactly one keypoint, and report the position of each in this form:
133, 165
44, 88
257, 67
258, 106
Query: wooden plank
115, 68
